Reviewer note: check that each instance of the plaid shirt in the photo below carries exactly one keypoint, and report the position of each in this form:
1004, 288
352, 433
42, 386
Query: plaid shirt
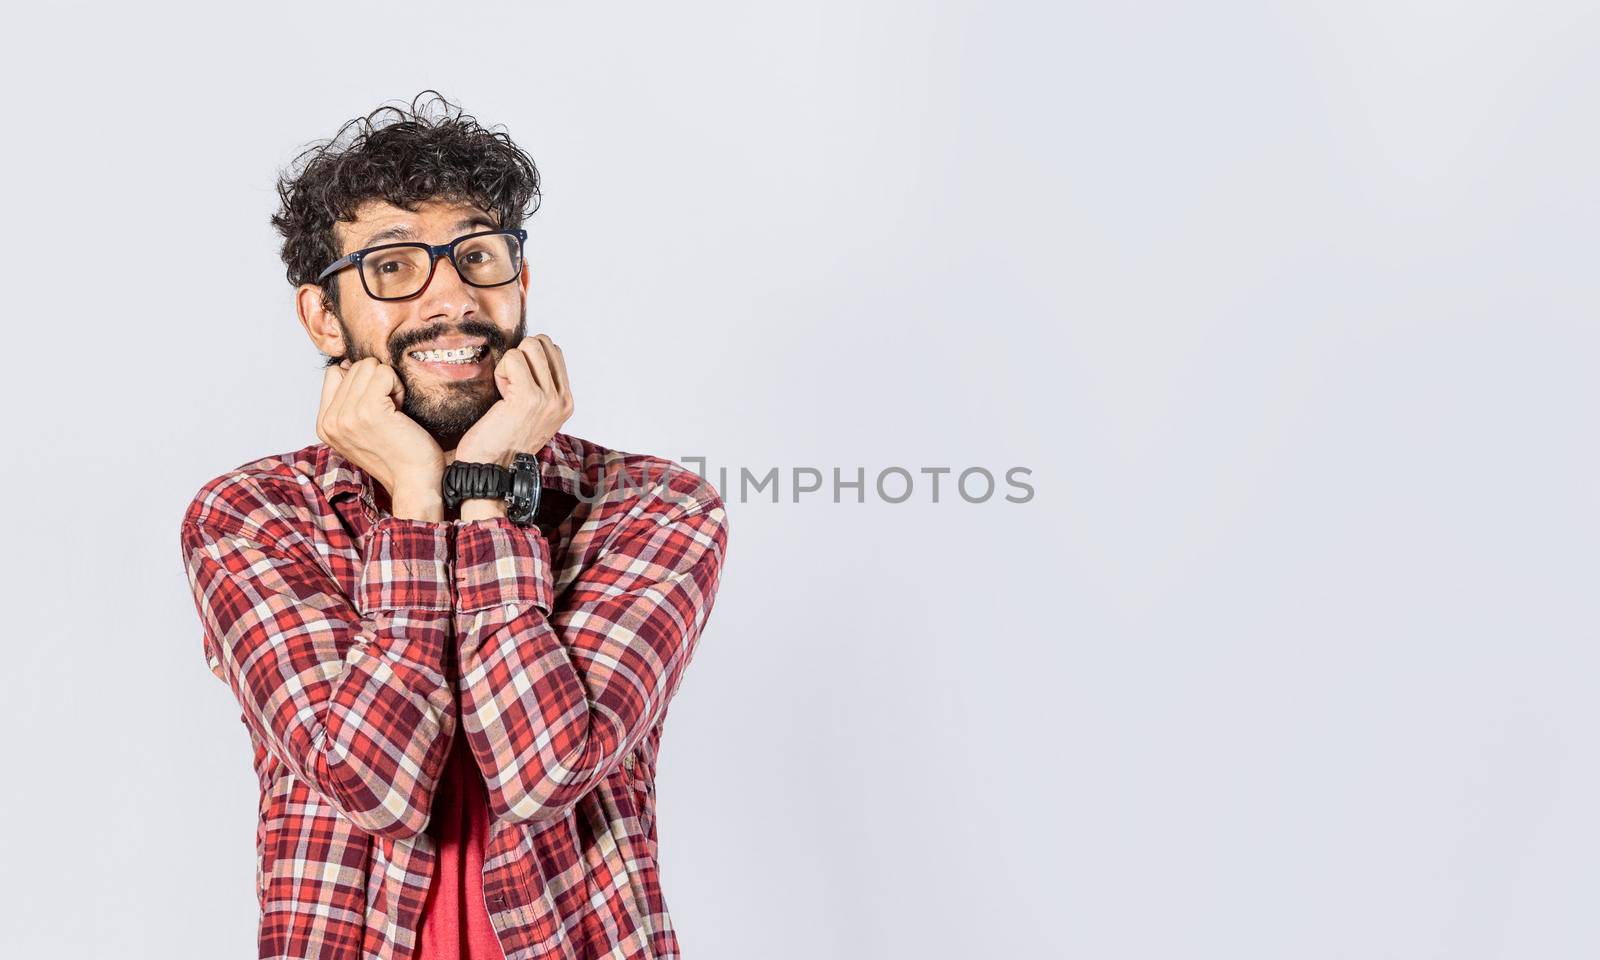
355, 641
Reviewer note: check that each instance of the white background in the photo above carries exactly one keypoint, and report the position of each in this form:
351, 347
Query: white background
1289, 308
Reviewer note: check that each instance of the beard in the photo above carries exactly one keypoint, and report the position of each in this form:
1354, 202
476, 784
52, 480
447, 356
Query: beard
446, 409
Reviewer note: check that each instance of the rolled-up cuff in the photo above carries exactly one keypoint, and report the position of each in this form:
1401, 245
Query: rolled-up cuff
406, 566
498, 562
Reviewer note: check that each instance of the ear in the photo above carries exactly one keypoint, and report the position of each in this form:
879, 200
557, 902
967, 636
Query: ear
320, 323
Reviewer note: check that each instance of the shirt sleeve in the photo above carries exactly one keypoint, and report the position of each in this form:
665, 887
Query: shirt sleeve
349, 693
552, 700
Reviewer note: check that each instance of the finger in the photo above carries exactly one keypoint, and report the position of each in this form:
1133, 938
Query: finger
361, 373
332, 377
385, 379
558, 383
558, 368
355, 391
537, 361
515, 375
342, 394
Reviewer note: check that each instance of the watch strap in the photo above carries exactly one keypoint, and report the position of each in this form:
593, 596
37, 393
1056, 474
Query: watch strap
474, 481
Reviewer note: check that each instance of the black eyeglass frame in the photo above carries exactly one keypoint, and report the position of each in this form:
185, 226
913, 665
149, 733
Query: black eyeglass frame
435, 254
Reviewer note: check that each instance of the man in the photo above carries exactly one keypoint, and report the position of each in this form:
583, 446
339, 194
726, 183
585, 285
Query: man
454, 678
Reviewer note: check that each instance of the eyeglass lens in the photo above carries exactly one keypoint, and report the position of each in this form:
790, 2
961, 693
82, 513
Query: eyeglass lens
402, 271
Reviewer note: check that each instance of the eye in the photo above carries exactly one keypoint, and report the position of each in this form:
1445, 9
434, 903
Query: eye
390, 265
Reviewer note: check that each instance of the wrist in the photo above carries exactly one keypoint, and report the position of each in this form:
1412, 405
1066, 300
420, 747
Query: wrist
482, 508
503, 458
418, 503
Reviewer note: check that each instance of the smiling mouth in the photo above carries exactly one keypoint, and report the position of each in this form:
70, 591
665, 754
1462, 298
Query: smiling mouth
459, 355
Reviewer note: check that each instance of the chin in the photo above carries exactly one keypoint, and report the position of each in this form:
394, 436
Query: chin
448, 419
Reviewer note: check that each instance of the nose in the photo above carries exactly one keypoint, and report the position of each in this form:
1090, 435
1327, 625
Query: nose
446, 283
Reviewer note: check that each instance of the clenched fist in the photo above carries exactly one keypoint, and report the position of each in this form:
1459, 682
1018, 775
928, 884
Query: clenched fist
535, 400
360, 417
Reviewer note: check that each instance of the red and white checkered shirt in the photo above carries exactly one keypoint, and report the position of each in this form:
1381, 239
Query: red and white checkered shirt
355, 641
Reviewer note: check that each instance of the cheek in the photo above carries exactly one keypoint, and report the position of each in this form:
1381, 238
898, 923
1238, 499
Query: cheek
377, 338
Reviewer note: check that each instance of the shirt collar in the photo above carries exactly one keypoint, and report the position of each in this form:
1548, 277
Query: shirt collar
559, 463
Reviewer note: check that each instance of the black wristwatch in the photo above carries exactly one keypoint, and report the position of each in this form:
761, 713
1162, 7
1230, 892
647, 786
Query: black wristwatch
518, 486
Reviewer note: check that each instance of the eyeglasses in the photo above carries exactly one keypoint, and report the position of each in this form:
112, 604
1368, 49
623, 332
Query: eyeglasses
395, 271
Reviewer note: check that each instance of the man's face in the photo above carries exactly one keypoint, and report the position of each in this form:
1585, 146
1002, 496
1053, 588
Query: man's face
445, 398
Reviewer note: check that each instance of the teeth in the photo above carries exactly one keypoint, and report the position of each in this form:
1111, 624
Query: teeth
458, 355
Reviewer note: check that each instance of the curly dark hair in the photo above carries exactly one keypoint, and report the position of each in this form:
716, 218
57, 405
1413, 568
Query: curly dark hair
404, 156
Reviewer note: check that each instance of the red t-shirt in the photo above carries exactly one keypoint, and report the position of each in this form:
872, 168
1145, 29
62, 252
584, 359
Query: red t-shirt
455, 922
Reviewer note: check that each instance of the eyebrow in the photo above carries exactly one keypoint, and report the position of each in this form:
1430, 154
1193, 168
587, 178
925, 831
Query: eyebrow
403, 231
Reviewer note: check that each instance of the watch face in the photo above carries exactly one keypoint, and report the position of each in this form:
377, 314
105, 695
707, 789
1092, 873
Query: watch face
523, 498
